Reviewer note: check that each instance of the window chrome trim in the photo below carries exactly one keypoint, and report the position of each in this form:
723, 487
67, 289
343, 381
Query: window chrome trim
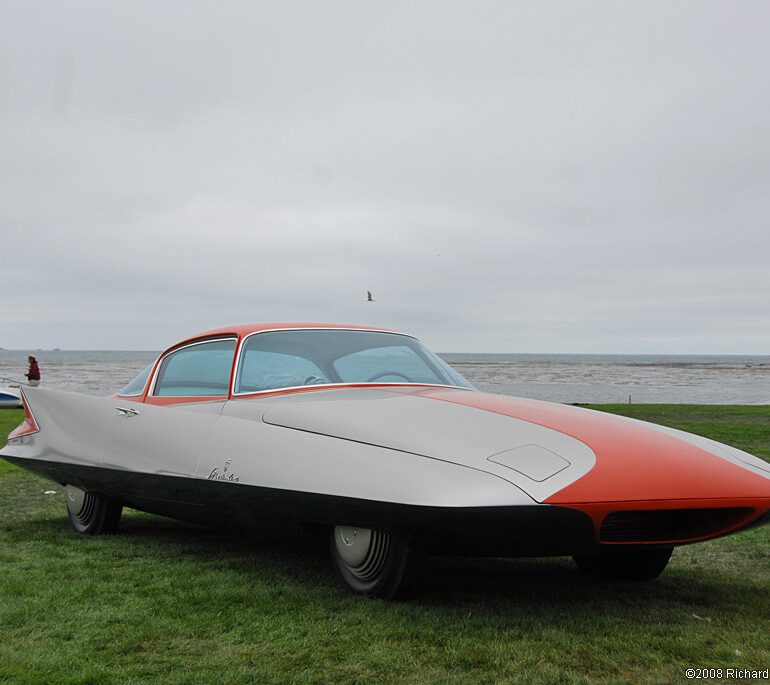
174, 350
322, 386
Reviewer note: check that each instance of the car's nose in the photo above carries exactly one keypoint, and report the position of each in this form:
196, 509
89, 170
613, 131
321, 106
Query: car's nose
651, 486
635, 462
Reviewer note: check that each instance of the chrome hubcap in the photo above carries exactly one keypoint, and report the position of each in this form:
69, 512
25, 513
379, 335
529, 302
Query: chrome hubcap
363, 551
352, 544
75, 499
82, 505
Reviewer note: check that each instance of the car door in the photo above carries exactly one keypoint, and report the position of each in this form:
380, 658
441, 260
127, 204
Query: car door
167, 442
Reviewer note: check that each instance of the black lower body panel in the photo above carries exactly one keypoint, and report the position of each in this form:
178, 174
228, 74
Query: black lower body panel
536, 530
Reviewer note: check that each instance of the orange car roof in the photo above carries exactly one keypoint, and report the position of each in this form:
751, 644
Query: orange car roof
244, 329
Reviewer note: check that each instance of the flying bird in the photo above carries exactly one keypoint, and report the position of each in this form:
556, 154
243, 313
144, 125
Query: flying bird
369, 297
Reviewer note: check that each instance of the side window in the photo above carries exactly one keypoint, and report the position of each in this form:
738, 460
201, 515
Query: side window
200, 369
269, 370
391, 364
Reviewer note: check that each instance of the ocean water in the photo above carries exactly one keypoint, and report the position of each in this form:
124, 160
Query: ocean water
555, 377
685, 379
89, 372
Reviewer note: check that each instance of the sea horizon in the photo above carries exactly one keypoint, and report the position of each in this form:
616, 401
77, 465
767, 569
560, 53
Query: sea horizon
557, 377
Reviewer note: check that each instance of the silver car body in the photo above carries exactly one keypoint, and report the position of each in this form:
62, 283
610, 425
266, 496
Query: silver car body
457, 469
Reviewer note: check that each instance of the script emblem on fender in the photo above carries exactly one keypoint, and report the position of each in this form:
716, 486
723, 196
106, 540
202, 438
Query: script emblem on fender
226, 474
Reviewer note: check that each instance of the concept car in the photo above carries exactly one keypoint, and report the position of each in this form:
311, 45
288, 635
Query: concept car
367, 434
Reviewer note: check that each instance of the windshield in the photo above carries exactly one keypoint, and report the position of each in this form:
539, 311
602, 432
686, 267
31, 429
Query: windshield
294, 358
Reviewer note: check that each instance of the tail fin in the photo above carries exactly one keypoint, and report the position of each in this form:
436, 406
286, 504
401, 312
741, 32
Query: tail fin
29, 425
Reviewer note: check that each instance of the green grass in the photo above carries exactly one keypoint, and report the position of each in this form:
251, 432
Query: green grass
166, 602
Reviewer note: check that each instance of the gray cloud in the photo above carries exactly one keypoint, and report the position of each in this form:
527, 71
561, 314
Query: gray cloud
504, 177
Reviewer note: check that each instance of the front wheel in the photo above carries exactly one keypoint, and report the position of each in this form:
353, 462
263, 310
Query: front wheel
624, 563
92, 514
371, 563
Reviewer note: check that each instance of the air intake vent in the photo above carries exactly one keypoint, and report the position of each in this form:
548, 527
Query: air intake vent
671, 525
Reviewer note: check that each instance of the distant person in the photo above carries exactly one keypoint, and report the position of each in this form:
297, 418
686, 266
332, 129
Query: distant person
33, 375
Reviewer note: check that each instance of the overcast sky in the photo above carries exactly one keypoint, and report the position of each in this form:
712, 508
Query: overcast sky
510, 177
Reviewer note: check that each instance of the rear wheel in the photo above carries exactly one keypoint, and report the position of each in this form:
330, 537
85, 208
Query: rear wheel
624, 563
92, 514
371, 563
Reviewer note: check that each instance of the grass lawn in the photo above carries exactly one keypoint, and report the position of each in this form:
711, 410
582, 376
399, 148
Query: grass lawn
168, 602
